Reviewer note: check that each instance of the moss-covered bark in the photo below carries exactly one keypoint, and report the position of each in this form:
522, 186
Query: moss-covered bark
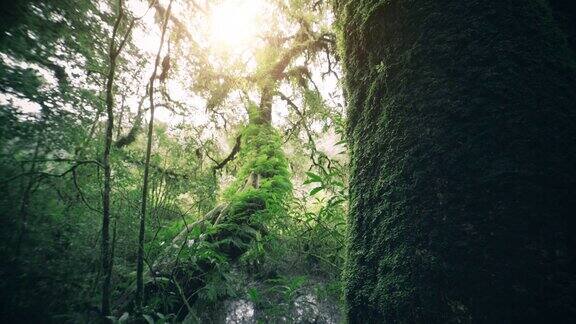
462, 129
565, 14
262, 188
259, 195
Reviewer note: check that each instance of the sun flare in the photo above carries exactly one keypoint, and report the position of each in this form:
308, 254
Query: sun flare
234, 23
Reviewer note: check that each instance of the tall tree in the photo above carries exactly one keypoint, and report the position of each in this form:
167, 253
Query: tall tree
565, 14
462, 134
117, 43
140, 258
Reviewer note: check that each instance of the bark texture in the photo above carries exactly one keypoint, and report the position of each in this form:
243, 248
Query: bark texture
462, 130
565, 14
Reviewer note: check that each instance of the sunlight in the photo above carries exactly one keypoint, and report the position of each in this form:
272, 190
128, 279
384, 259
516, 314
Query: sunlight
234, 23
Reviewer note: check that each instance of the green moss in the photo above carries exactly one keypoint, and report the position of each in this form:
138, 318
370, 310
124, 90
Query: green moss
259, 194
460, 126
261, 157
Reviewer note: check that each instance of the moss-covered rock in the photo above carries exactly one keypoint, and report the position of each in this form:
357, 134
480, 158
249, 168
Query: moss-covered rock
463, 153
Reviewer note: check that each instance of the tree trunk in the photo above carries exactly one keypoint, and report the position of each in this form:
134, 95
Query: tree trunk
106, 259
462, 133
26, 196
565, 15
264, 113
140, 257
106, 253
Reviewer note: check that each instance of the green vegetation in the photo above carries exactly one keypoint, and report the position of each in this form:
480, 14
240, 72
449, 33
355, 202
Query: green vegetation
208, 210
287, 161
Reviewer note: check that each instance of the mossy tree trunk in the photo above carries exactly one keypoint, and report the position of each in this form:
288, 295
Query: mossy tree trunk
462, 129
565, 14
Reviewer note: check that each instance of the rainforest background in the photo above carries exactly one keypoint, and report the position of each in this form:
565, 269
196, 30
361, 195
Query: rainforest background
170, 161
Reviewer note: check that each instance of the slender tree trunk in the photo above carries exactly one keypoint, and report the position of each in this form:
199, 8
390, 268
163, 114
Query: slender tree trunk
26, 195
107, 261
140, 257
463, 153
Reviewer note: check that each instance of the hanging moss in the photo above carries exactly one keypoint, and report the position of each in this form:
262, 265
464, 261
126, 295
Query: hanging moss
463, 162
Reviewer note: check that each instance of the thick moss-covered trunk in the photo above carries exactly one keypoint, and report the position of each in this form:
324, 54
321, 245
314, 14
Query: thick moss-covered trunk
233, 229
564, 12
462, 130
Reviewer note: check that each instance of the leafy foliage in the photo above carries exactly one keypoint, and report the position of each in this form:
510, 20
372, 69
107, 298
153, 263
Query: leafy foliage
209, 231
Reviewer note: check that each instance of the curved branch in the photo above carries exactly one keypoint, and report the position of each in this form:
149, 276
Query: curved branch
231, 156
136, 127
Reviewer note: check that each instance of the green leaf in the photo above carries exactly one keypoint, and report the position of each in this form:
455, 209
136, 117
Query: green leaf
313, 177
124, 317
254, 295
148, 319
315, 190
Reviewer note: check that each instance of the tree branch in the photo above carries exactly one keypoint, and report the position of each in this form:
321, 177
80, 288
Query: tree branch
231, 156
